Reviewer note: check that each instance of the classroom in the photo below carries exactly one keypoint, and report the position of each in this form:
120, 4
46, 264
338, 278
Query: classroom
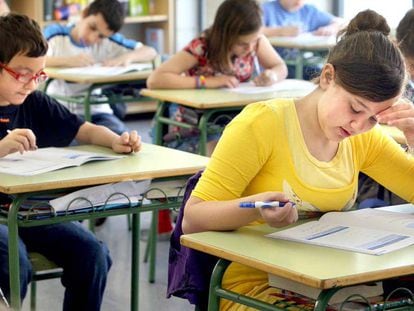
264, 119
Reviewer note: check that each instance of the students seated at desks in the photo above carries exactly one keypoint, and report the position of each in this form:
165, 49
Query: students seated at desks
93, 39
222, 56
293, 17
310, 151
30, 120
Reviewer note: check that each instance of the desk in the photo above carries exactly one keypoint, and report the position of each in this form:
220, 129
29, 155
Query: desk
151, 162
95, 82
209, 102
248, 246
304, 43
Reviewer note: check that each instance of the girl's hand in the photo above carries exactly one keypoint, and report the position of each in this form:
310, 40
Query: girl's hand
400, 115
266, 78
222, 81
276, 216
18, 140
127, 143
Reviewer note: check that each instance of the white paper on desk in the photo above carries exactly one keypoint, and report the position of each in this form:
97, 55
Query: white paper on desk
368, 231
308, 38
99, 70
48, 159
285, 85
100, 195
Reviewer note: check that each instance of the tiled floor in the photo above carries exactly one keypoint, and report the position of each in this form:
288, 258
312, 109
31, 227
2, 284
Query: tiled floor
114, 232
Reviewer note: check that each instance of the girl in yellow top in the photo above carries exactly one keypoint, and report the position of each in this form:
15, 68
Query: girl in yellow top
310, 150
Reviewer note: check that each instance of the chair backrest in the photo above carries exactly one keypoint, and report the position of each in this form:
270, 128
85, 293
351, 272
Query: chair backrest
189, 270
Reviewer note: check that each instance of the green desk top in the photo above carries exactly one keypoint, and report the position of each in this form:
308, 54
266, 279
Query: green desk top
55, 73
320, 267
222, 98
151, 162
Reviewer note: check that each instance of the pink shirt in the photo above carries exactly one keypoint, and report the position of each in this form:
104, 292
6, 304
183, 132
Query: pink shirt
242, 66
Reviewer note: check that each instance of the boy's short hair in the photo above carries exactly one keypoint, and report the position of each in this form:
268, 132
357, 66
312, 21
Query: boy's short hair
20, 35
111, 11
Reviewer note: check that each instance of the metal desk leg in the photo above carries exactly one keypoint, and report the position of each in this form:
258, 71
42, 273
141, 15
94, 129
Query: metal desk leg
135, 262
202, 125
14, 268
87, 104
158, 124
299, 66
215, 283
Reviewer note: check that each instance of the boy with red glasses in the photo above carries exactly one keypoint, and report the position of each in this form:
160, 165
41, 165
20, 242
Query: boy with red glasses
30, 119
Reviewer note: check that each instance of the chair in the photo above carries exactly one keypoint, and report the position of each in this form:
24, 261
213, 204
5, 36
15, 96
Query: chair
43, 269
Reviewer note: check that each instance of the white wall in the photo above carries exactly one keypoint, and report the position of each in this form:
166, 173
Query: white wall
186, 22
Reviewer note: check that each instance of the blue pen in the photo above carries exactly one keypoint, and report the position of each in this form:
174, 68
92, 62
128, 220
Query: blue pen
256, 65
261, 204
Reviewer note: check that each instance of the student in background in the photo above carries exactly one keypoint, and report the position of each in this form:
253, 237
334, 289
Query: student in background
405, 38
293, 17
229, 52
30, 120
93, 39
224, 54
311, 150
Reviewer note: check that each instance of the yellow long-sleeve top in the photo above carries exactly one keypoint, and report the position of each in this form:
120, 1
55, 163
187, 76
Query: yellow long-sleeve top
263, 149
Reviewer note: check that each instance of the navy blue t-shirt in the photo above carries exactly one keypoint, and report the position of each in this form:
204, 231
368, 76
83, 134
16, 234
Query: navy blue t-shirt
52, 123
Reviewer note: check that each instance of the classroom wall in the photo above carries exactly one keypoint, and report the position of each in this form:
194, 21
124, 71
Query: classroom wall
187, 22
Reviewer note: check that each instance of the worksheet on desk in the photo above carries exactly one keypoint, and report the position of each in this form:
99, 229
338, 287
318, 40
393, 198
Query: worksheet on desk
285, 85
99, 70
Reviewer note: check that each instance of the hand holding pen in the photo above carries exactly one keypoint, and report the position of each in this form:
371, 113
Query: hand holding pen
20, 140
263, 78
274, 207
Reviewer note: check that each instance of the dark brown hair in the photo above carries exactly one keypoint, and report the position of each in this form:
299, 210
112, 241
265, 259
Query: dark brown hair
367, 63
111, 11
405, 34
20, 35
234, 18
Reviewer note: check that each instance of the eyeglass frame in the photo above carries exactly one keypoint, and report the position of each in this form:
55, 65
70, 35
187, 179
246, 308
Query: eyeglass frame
38, 77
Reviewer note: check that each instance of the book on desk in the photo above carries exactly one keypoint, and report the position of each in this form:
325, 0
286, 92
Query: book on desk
48, 159
370, 231
100, 70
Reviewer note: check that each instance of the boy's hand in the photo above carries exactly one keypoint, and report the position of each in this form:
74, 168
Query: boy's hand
81, 60
290, 31
122, 60
400, 115
127, 143
266, 78
18, 140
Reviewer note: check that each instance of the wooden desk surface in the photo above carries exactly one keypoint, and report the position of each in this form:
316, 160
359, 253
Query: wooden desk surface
304, 41
320, 267
55, 73
222, 98
151, 162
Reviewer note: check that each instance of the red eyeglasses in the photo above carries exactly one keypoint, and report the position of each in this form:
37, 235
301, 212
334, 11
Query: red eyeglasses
27, 77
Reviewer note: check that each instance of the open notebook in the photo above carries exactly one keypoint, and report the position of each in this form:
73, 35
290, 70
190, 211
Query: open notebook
48, 159
99, 70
